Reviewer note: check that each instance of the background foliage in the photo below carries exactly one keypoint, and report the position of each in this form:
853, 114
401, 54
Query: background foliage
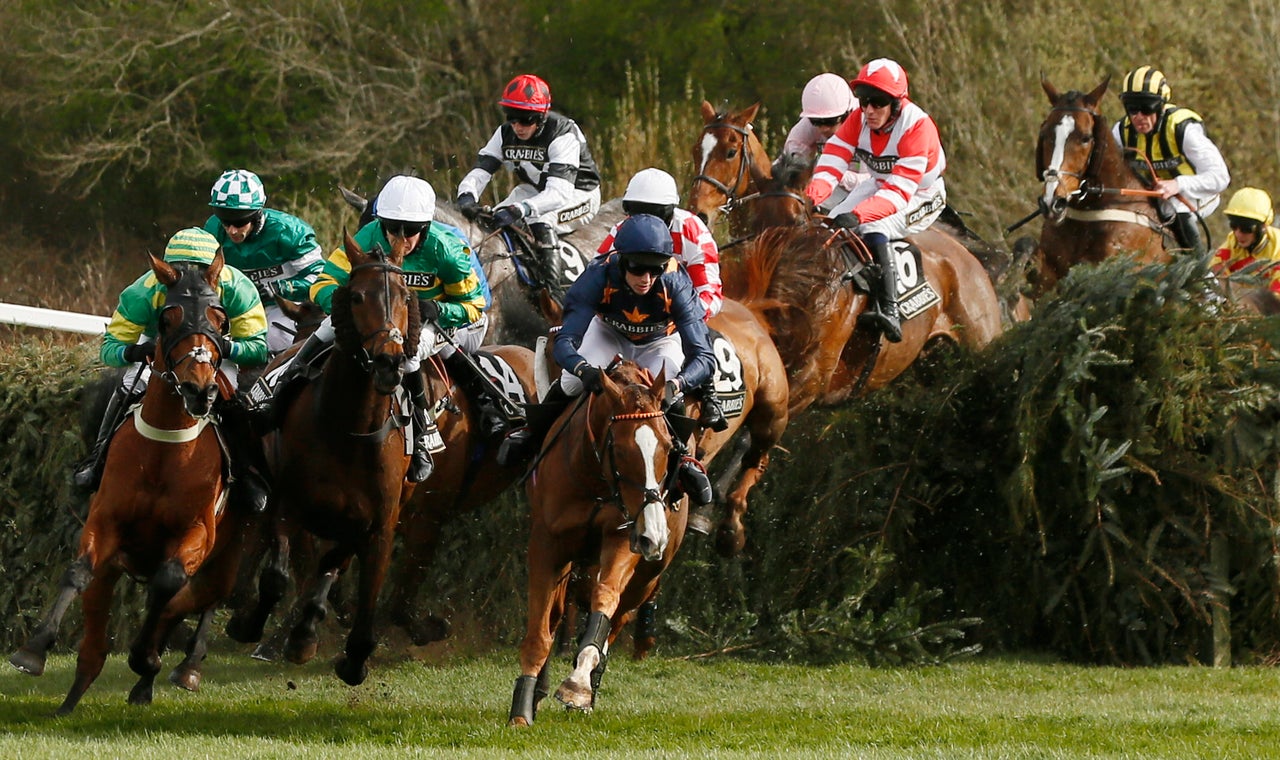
1068, 482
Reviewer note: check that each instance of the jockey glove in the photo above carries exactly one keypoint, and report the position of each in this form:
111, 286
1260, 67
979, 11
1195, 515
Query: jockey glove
592, 377
430, 310
508, 215
848, 220
468, 206
266, 291
139, 352
671, 394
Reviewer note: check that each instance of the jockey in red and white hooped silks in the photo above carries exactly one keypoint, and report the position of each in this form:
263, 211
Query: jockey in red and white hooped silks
653, 191
897, 143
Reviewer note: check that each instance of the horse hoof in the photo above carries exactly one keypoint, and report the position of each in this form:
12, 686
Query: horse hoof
266, 652
140, 694
699, 523
518, 723
429, 631
302, 652
243, 631
185, 679
351, 675
28, 662
574, 698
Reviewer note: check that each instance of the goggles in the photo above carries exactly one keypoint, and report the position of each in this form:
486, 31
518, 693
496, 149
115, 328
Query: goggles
403, 229
523, 118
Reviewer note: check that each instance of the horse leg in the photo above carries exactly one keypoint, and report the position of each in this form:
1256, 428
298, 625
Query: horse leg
247, 626
766, 424
187, 675
211, 585
700, 519
31, 657
95, 606
304, 642
577, 692
645, 636
549, 572
352, 666
144, 655
421, 537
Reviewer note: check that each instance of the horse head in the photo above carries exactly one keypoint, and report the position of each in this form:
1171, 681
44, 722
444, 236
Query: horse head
191, 325
726, 154
307, 315
782, 202
374, 315
1073, 141
637, 445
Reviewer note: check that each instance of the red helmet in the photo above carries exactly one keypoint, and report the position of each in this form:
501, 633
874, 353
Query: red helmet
526, 93
885, 75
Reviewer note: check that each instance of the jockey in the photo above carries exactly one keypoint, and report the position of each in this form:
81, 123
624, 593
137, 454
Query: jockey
558, 187
826, 102
278, 251
638, 304
653, 191
130, 342
1252, 238
438, 267
1171, 141
897, 142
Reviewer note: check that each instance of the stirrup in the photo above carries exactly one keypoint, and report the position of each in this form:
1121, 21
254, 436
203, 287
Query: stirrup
514, 449
421, 466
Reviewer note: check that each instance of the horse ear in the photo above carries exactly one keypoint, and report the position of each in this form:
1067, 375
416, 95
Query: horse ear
353, 200
708, 112
1095, 97
291, 309
660, 382
214, 272
165, 272
1049, 89
354, 254
748, 115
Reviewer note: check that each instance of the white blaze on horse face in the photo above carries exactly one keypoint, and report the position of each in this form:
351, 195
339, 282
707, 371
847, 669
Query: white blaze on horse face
1061, 134
654, 516
708, 144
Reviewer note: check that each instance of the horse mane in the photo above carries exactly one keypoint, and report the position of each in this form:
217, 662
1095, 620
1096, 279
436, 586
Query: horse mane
811, 269
792, 171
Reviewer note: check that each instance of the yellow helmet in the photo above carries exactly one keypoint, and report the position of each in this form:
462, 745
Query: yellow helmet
1251, 203
1145, 84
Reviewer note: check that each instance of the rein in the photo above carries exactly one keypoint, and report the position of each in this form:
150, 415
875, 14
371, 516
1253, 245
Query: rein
730, 193
650, 494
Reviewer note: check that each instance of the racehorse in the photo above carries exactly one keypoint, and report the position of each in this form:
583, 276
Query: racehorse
340, 457
798, 281
731, 163
1094, 205
160, 513
598, 490
525, 304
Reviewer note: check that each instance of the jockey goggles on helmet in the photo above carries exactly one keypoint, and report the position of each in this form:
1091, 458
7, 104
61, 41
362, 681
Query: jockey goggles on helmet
234, 217
870, 97
524, 118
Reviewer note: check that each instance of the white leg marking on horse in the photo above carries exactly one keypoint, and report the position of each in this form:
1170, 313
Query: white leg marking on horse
1060, 135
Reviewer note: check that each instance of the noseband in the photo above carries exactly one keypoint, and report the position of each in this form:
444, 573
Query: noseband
1088, 183
394, 335
605, 451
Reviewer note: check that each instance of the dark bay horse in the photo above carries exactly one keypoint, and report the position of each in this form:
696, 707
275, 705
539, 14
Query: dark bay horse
597, 494
1094, 205
797, 279
340, 456
161, 513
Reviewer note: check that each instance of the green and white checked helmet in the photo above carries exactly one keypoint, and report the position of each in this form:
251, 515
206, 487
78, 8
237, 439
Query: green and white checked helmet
238, 189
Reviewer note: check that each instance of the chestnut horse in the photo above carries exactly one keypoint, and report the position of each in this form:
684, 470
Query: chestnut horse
731, 163
161, 510
1094, 205
599, 491
340, 457
799, 281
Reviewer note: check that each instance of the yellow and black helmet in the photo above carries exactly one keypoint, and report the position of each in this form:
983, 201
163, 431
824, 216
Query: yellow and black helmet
1145, 85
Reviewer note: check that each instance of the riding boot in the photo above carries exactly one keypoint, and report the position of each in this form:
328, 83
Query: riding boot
1186, 229
265, 414
691, 475
89, 474
549, 263
521, 443
492, 421
250, 486
712, 413
885, 317
425, 433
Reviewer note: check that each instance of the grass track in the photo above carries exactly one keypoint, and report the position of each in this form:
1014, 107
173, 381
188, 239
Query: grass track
661, 708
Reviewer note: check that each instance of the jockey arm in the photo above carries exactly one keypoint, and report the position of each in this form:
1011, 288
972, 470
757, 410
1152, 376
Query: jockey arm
579, 309
487, 164
687, 312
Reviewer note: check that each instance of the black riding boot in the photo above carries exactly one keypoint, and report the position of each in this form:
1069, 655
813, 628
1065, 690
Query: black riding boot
492, 420
549, 263
691, 475
250, 487
1186, 229
885, 317
89, 474
521, 443
425, 433
712, 413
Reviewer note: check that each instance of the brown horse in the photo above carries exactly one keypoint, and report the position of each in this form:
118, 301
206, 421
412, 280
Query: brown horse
160, 512
1093, 203
731, 162
339, 459
798, 280
598, 491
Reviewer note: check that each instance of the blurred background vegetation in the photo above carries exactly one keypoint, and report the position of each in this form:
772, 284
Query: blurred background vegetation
1069, 481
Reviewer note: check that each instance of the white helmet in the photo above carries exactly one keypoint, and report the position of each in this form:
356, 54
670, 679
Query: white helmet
826, 96
406, 199
652, 186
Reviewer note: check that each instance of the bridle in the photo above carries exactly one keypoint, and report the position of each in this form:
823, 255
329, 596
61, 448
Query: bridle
394, 335
193, 301
1088, 187
730, 193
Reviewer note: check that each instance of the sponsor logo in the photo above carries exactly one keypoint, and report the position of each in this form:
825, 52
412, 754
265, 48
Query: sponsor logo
732, 405
634, 331
532, 153
423, 280
877, 164
918, 300
266, 273
569, 214
920, 212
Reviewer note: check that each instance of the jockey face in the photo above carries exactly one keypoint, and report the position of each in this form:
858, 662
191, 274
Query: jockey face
641, 279
1143, 114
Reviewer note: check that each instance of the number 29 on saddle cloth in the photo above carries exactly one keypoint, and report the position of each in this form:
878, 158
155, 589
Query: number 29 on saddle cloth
728, 383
